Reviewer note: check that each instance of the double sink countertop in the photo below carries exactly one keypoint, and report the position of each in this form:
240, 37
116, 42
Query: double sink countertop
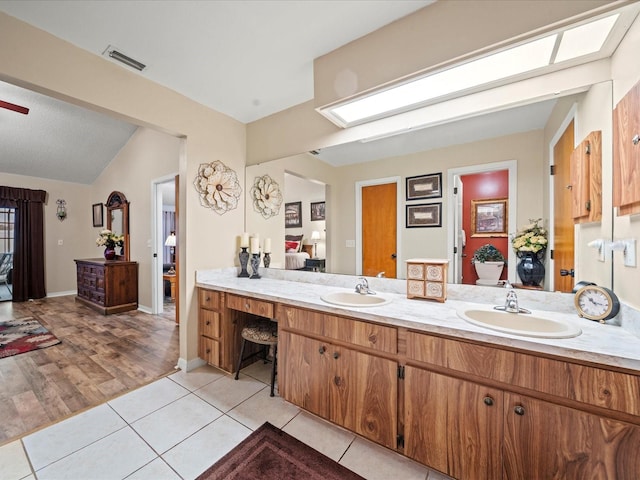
603, 344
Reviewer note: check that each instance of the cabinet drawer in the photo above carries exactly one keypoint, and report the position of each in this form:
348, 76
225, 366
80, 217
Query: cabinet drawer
435, 273
416, 271
209, 350
415, 288
209, 298
250, 305
364, 334
209, 323
591, 385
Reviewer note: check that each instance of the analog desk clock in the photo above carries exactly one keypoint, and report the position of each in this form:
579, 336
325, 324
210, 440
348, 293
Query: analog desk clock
596, 303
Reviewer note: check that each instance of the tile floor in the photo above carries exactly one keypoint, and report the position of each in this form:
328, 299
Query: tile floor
178, 426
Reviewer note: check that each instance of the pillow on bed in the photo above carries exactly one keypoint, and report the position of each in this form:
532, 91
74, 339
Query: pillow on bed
291, 247
294, 238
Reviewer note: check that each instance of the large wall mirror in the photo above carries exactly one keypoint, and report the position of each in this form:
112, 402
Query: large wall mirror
523, 136
118, 221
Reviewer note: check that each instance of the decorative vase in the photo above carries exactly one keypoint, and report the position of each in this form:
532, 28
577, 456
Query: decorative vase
109, 253
266, 260
255, 265
244, 260
488, 272
530, 268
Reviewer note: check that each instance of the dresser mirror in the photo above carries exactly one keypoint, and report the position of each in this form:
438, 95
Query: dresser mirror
118, 221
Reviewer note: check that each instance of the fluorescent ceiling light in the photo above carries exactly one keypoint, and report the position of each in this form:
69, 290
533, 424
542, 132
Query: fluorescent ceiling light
585, 39
497, 67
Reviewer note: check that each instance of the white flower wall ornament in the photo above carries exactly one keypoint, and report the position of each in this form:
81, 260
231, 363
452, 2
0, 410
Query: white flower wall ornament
218, 187
267, 196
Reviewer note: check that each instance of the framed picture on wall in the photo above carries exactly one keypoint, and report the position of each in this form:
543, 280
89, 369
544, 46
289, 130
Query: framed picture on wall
424, 215
489, 218
98, 215
317, 211
424, 186
293, 215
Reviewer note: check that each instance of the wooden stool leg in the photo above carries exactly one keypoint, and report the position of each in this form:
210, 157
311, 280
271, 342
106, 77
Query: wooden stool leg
240, 358
273, 367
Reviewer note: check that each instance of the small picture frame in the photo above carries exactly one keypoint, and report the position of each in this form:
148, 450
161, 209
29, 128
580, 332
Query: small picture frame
98, 215
489, 218
421, 187
424, 215
317, 211
293, 215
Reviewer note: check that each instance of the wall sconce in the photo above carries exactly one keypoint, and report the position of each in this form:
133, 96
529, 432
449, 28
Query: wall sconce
171, 242
61, 213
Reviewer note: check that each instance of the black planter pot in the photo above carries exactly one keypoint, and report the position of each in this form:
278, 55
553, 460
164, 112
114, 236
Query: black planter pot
530, 268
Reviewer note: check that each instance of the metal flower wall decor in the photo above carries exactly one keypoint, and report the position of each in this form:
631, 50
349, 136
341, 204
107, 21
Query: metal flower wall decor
218, 187
267, 196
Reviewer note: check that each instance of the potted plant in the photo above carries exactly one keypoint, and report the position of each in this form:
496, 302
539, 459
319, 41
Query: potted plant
489, 262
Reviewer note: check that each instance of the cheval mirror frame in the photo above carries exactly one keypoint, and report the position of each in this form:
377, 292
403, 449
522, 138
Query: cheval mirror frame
118, 220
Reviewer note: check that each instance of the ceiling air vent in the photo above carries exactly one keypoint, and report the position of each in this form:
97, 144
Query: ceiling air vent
114, 53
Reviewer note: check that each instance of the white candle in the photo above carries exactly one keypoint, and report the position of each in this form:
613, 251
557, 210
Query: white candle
267, 245
244, 240
255, 245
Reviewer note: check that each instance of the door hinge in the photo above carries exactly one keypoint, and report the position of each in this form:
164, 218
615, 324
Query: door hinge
587, 205
551, 254
455, 190
400, 441
588, 149
552, 169
401, 371
455, 249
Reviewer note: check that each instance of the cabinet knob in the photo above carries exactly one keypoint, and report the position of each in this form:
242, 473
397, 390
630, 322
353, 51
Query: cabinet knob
488, 400
336, 355
519, 410
636, 139
207, 322
322, 349
247, 306
208, 350
337, 380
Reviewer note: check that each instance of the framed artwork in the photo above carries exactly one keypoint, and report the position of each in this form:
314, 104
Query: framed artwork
489, 218
424, 186
317, 211
293, 215
98, 215
424, 215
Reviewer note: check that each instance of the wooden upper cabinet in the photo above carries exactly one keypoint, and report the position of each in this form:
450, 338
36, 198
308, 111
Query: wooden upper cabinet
586, 179
626, 153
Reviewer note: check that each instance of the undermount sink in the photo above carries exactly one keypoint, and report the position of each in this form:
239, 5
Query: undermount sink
353, 299
519, 324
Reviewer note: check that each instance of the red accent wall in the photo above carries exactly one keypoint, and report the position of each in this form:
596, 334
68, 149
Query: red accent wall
481, 186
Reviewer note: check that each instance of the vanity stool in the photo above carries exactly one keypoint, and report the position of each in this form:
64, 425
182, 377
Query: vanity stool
263, 332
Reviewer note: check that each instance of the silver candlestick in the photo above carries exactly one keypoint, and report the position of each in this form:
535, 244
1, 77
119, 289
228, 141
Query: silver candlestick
255, 265
244, 259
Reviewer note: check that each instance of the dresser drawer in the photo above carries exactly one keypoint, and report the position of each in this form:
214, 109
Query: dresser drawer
209, 350
209, 323
250, 305
209, 298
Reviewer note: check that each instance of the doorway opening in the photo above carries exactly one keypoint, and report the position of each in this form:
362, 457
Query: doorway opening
7, 224
164, 270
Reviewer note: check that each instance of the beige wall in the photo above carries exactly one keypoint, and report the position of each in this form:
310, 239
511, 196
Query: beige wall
35, 59
625, 70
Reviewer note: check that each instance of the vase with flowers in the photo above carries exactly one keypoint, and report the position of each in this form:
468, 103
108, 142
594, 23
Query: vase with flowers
110, 241
530, 245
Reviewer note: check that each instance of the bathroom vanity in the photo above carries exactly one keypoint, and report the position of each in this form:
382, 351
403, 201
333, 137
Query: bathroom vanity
412, 376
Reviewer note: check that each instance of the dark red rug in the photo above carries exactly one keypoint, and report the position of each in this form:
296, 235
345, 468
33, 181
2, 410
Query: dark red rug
271, 454
24, 335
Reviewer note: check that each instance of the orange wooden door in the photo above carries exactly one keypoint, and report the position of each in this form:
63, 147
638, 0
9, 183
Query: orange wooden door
379, 225
563, 242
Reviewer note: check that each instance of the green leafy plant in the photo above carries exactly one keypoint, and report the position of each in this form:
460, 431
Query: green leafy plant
488, 253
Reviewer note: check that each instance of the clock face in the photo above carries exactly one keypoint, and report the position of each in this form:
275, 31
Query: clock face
596, 303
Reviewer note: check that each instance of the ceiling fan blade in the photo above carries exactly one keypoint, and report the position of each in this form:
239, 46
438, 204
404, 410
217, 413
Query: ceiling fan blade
14, 107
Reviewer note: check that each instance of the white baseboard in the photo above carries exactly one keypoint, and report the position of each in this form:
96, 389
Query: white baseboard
144, 309
62, 294
187, 366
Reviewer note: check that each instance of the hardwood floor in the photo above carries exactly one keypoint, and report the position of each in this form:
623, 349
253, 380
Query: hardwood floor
100, 357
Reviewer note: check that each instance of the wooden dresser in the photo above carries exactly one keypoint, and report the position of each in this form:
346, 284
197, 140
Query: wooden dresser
107, 286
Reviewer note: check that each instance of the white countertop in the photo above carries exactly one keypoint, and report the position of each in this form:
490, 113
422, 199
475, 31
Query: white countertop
604, 344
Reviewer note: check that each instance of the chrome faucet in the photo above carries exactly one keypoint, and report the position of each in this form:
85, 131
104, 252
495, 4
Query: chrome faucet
511, 302
363, 287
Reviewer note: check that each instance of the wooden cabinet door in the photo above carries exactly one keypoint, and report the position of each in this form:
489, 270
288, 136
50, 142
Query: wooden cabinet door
544, 440
453, 425
304, 373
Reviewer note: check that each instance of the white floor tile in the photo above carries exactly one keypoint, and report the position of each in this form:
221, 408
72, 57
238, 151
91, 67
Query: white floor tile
170, 425
227, 393
13, 461
261, 408
156, 470
147, 399
324, 437
260, 371
61, 439
198, 452
374, 462
197, 378
113, 457
433, 475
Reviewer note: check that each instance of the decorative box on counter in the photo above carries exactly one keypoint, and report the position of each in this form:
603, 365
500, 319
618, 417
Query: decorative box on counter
427, 278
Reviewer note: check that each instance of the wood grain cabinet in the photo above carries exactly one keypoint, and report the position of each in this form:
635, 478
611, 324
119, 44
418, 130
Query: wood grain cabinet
326, 370
107, 286
626, 153
586, 179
